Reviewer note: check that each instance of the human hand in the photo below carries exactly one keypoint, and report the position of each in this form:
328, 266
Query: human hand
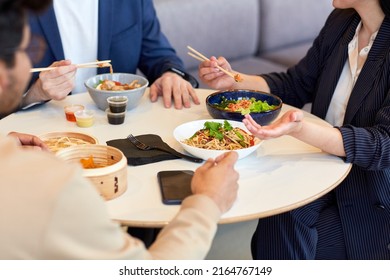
217, 179
29, 141
173, 87
54, 84
214, 77
289, 123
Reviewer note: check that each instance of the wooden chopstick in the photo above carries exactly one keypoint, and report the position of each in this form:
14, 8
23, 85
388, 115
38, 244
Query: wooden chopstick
197, 53
97, 63
199, 56
196, 57
94, 64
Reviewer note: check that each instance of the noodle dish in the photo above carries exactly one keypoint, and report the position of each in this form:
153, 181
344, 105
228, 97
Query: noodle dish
57, 141
210, 138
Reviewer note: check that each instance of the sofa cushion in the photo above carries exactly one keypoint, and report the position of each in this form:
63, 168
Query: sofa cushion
213, 27
290, 22
288, 55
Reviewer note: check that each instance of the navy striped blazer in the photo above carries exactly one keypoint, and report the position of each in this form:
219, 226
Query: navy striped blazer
363, 198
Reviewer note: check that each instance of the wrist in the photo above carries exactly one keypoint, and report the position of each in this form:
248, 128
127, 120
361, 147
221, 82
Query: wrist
185, 76
296, 132
32, 97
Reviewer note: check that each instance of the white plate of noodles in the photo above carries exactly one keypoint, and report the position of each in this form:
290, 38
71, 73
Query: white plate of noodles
211, 138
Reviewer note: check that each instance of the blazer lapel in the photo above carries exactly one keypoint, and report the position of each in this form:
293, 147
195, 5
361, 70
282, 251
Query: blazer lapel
52, 33
368, 75
328, 84
333, 69
105, 29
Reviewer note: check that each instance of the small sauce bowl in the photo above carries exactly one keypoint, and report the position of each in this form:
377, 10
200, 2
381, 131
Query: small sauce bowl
115, 118
84, 118
117, 104
70, 110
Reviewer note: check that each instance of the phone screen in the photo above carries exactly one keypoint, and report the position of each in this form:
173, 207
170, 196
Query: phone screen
175, 185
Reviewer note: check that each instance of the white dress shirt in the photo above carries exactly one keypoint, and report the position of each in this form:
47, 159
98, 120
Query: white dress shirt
347, 80
78, 25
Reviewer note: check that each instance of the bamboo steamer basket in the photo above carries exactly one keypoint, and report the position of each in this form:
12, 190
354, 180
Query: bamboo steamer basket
110, 180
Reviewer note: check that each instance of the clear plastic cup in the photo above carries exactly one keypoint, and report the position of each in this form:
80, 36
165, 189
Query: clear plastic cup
84, 118
117, 104
115, 118
70, 110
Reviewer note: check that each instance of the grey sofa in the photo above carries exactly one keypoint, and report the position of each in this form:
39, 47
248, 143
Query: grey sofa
256, 36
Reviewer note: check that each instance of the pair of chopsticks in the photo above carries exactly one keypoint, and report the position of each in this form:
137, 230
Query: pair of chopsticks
199, 56
95, 64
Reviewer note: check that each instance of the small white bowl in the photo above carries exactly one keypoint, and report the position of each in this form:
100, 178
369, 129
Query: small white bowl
84, 118
186, 130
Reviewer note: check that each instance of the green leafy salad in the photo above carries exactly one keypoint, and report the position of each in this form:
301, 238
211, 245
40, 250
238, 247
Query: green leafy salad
245, 105
220, 136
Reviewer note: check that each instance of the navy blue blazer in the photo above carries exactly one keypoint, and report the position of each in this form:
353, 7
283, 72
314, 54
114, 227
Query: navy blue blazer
363, 198
128, 33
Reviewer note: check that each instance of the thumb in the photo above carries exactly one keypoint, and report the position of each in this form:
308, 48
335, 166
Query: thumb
228, 158
153, 93
296, 116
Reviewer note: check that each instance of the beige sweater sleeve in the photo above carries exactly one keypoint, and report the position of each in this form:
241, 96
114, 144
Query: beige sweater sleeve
80, 228
189, 235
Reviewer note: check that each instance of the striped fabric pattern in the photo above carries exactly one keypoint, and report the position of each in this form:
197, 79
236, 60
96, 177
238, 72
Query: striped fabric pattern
353, 221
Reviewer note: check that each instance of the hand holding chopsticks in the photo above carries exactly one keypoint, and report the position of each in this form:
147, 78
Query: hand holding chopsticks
197, 55
95, 64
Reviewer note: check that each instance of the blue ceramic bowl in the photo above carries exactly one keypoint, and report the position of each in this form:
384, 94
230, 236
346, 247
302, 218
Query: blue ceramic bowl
262, 118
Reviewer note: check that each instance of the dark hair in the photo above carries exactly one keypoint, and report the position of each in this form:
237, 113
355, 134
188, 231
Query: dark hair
385, 5
12, 22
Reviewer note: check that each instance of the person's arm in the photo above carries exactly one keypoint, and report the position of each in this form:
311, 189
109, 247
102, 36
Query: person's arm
81, 228
54, 84
215, 78
367, 147
189, 235
215, 187
326, 138
161, 65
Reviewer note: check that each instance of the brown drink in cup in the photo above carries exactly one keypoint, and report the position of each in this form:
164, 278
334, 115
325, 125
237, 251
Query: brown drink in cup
117, 104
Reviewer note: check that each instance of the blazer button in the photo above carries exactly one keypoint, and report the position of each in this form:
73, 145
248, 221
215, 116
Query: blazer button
380, 206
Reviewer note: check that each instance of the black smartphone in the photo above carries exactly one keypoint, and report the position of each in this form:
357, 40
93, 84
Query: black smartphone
175, 185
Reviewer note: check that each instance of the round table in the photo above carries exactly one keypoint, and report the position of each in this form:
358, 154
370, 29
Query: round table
281, 175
